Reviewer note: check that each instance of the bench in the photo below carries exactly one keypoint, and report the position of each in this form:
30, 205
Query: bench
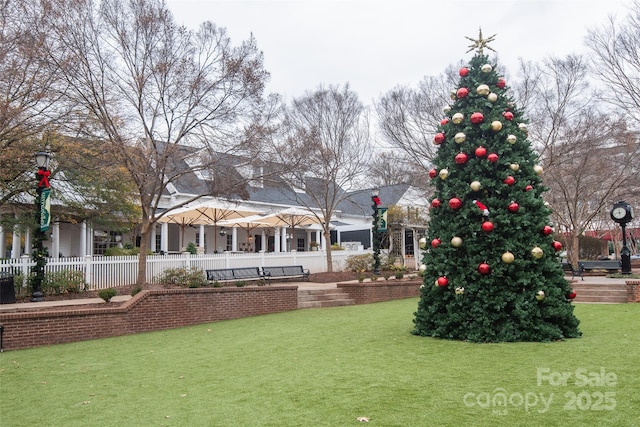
611, 266
568, 268
285, 272
235, 274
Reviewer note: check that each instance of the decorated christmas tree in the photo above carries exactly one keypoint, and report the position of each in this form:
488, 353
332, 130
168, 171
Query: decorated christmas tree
491, 270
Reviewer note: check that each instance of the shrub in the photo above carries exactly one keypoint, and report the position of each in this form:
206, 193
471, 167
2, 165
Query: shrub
136, 290
359, 263
241, 283
184, 277
60, 282
192, 248
107, 294
336, 247
217, 284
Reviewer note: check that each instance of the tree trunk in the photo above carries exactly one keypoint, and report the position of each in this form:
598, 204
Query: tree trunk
574, 255
327, 240
142, 255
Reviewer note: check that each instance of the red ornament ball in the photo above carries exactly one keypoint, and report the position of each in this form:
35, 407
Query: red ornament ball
493, 157
528, 187
477, 118
464, 72
455, 203
435, 203
513, 207
501, 83
433, 173
462, 92
438, 138
461, 158
547, 230
435, 243
509, 180
481, 151
442, 281
557, 246
484, 268
487, 226
508, 115
572, 294
444, 121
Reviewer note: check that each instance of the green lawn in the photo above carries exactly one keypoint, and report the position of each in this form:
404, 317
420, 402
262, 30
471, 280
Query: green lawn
327, 367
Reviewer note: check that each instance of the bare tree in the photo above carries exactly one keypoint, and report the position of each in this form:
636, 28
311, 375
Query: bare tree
27, 96
615, 60
393, 167
408, 118
586, 151
159, 95
325, 146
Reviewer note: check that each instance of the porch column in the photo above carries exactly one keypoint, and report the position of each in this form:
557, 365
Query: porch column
55, 237
83, 238
319, 239
234, 239
283, 236
90, 237
164, 237
3, 243
15, 244
263, 240
201, 237
152, 239
308, 240
27, 241
276, 239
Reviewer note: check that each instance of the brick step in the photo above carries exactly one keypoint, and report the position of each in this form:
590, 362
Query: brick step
599, 293
314, 298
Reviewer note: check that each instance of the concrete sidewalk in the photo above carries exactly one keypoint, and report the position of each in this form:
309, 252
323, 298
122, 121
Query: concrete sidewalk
8, 308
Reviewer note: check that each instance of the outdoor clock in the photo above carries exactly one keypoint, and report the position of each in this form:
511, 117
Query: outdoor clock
622, 212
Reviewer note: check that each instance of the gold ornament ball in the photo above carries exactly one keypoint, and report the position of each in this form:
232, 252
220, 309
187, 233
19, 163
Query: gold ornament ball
460, 137
507, 257
446, 109
423, 243
511, 139
486, 68
456, 242
457, 118
522, 127
422, 268
540, 295
452, 94
496, 125
492, 97
459, 290
475, 185
514, 167
444, 173
538, 169
483, 90
537, 253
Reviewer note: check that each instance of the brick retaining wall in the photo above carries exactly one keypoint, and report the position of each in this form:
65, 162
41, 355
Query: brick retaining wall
150, 310
365, 293
633, 290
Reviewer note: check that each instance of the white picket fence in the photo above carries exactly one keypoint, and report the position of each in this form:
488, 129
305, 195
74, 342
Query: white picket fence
102, 272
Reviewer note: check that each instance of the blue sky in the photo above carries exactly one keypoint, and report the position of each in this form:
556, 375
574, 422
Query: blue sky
376, 45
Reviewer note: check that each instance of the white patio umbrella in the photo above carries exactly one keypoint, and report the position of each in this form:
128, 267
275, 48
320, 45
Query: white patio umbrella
205, 213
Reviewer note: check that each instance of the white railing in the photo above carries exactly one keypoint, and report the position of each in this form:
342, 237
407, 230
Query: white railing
102, 272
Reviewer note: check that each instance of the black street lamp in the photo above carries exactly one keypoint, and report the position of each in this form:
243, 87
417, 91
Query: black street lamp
40, 253
622, 213
376, 232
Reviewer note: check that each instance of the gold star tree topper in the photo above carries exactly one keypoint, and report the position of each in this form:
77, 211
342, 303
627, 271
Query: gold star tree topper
480, 43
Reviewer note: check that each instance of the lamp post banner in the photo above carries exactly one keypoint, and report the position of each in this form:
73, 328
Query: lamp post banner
382, 219
45, 209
